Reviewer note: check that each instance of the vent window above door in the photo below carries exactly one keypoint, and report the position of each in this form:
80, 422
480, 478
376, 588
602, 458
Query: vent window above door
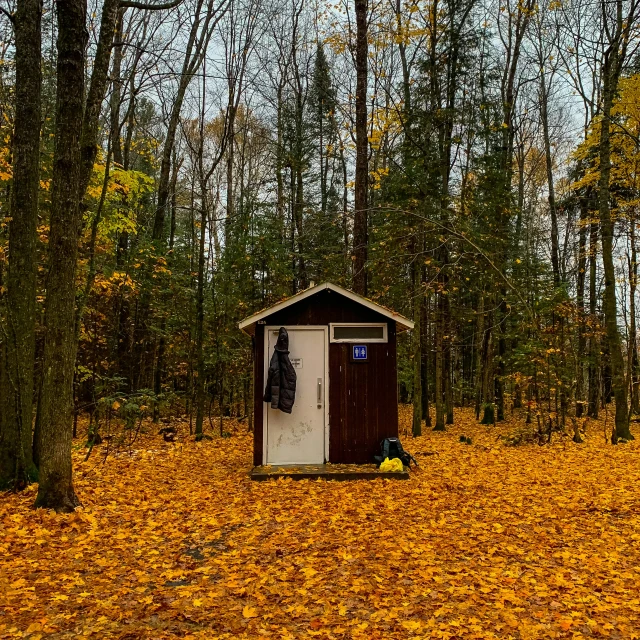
355, 332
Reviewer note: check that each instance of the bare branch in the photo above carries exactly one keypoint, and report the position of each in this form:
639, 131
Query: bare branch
11, 17
132, 4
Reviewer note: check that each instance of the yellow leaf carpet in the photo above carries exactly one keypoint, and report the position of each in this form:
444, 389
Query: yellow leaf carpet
484, 541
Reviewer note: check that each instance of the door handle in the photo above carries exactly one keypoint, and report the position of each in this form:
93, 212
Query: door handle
319, 388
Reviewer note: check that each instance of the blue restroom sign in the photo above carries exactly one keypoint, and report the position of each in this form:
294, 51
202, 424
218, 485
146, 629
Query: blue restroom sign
359, 352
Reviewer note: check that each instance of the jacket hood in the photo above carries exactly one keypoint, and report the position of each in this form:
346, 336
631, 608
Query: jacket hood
282, 344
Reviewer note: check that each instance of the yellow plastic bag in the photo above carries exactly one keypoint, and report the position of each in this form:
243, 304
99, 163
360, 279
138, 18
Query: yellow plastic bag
394, 464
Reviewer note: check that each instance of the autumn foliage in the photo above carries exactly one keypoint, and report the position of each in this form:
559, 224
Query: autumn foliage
485, 540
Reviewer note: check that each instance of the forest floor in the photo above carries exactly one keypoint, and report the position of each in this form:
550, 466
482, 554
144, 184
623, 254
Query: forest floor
484, 541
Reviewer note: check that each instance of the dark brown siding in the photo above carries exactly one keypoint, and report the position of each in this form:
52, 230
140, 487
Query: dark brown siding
323, 308
258, 391
363, 397
363, 401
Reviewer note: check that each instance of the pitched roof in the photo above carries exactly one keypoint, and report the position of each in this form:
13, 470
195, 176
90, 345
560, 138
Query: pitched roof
402, 322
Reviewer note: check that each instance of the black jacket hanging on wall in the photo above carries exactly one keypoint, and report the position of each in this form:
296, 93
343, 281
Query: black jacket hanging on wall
280, 389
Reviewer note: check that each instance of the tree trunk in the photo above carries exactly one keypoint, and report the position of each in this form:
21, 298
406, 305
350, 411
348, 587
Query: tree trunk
416, 341
581, 278
593, 406
488, 413
279, 166
632, 359
192, 60
361, 213
95, 94
230, 191
518, 25
298, 160
176, 164
298, 206
447, 363
116, 92
159, 372
439, 368
345, 209
200, 389
56, 482
425, 349
555, 260
16, 463
610, 304
479, 344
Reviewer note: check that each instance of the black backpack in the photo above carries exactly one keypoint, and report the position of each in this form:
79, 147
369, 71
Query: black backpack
392, 448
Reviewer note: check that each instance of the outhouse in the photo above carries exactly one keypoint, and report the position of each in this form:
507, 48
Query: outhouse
343, 349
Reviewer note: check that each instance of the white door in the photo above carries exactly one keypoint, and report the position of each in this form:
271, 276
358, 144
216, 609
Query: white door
299, 437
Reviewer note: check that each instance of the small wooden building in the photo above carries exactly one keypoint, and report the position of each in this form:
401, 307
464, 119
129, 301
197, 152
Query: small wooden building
343, 349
